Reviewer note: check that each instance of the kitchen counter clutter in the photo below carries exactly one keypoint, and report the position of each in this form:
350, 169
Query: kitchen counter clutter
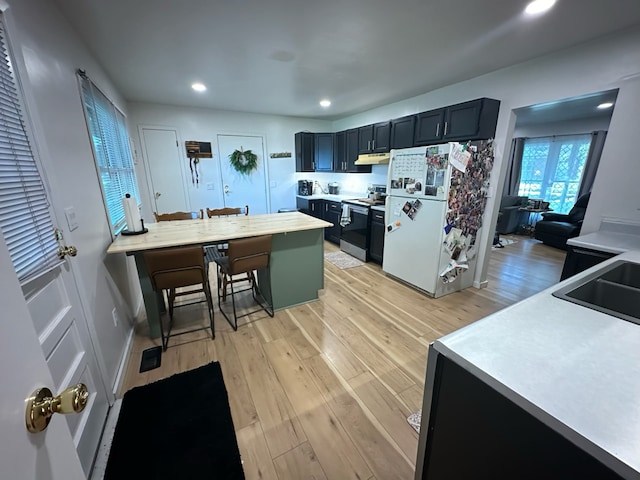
575, 372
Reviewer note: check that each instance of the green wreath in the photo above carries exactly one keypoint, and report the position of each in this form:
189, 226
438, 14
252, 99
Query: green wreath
244, 161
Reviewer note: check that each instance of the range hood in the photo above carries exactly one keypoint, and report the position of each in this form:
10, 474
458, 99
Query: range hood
373, 158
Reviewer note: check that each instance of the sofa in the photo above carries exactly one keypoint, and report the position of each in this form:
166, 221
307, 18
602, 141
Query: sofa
510, 217
556, 228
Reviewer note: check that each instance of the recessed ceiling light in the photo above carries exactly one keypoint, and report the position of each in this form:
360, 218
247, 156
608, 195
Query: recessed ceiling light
325, 103
604, 105
539, 6
198, 87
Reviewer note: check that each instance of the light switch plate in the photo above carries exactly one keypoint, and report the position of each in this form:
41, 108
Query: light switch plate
72, 222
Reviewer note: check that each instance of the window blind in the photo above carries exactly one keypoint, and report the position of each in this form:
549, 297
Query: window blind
108, 131
25, 218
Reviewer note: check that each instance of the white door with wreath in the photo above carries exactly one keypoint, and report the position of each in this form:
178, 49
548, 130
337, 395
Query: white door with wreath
243, 171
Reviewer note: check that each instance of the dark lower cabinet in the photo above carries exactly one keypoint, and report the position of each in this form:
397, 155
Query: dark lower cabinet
309, 206
325, 210
376, 236
331, 212
580, 259
475, 432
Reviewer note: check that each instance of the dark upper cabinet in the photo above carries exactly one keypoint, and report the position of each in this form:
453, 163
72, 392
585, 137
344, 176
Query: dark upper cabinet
323, 157
462, 121
346, 153
351, 153
314, 152
474, 120
429, 127
374, 138
402, 132
304, 152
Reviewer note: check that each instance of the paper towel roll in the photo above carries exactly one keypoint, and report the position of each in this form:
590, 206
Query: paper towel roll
131, 214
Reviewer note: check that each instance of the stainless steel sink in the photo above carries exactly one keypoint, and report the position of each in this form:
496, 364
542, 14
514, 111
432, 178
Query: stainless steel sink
614, 290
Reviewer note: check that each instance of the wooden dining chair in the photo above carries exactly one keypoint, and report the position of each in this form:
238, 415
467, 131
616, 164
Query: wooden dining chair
163, 217
214, 251
175, 272
227, 211
244, 257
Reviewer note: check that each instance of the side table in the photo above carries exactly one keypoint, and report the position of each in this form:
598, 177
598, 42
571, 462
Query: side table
530, 227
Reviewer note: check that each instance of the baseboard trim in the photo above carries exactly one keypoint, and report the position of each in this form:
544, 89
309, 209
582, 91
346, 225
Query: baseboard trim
483, 284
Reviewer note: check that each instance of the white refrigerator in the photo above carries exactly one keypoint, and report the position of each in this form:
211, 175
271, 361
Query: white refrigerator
424, 246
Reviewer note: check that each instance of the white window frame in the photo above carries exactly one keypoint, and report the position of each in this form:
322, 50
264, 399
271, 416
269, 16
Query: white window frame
113, 158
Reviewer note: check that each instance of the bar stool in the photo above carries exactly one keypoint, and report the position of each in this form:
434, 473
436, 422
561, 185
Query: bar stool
244, 256
174, 268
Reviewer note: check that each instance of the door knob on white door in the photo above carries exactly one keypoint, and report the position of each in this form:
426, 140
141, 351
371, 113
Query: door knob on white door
158, 194
41, 405
226, 189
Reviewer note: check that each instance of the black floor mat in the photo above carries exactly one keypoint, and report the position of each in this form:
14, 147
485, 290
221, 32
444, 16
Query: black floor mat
151, 358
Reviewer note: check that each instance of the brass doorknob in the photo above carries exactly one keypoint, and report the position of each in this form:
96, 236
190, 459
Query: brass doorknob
64, 250
41, 405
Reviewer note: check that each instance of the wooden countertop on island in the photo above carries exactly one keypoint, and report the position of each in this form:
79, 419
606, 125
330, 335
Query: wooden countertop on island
214, 230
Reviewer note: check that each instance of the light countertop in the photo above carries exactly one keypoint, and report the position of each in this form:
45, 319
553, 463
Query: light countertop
212, 230
575, 369
613, 237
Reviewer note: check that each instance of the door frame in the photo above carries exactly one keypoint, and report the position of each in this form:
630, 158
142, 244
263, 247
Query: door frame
147, 168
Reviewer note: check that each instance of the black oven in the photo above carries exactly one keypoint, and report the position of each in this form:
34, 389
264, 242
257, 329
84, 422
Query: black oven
354, 235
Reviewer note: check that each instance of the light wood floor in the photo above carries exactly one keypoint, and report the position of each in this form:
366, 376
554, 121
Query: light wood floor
323, 390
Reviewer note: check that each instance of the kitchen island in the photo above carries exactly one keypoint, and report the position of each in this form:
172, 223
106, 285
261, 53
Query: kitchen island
296, 267
554, 387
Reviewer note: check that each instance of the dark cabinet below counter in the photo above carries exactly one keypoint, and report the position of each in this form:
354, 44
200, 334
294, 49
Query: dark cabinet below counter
579, 259
470, 420
376, 236
309, 206
328, 210
331, 212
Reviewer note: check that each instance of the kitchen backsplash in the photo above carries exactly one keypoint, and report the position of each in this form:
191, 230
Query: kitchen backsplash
348, 182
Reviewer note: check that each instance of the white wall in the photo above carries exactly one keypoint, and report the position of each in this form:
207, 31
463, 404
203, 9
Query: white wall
204, 125
611, 62
47, 55
569, 127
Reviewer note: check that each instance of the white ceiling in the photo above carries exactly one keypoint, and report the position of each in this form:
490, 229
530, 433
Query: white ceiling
283, 56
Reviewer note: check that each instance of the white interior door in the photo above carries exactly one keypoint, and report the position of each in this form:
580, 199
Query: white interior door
238, 189
63, 334
50, 454
165, 178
